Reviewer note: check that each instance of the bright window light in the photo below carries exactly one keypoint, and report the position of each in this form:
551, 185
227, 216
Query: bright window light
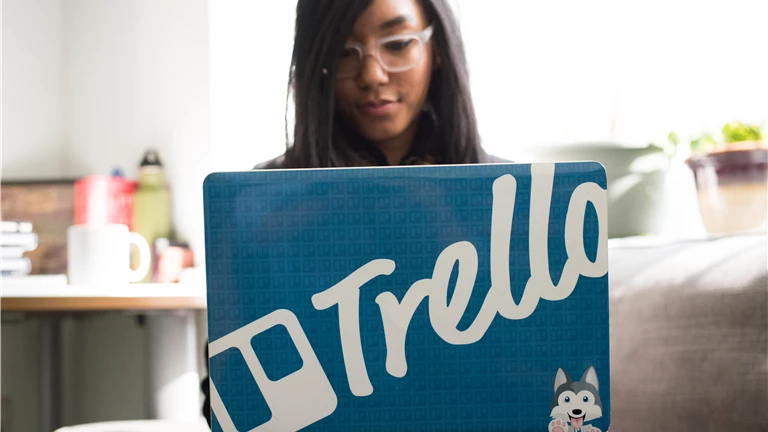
545, 71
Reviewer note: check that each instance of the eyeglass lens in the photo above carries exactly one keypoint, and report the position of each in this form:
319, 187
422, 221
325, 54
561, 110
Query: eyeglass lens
394, 55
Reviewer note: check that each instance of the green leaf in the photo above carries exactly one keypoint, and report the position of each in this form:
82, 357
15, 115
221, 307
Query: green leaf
737, 131
703, 143
673, 138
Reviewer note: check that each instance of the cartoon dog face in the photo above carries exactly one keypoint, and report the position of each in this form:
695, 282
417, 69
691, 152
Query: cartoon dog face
576, 402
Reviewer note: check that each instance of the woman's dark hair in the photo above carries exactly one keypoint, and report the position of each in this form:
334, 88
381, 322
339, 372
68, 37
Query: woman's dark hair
322, 27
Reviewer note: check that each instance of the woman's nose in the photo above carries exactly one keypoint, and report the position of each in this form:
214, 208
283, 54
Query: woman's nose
372, 74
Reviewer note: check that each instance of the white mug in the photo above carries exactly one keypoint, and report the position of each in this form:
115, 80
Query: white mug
101, 254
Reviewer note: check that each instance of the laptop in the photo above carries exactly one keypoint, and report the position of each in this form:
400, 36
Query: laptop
461, 297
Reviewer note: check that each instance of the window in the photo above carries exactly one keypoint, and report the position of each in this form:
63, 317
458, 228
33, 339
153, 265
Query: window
250, 52
561, 71
545, 71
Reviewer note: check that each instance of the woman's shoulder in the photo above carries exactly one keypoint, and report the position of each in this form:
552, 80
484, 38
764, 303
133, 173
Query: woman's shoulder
491, 159
279, 162
276, 163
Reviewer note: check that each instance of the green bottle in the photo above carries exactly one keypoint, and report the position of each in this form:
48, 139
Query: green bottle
152, 205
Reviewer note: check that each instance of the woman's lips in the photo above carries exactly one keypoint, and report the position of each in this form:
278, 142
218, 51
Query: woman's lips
377, 108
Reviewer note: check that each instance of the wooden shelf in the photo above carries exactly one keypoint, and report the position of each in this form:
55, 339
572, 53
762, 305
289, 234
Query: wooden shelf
24, 296
93, 304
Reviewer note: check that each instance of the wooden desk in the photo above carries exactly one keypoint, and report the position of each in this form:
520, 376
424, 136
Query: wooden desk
45, 298
171, 346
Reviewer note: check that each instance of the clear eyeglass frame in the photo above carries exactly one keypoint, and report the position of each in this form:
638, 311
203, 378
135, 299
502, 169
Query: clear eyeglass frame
422, 37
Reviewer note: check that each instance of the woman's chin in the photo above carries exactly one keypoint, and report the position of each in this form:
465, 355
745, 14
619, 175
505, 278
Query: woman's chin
382, 136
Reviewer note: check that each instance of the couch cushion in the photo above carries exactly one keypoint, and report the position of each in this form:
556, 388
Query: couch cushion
689, 334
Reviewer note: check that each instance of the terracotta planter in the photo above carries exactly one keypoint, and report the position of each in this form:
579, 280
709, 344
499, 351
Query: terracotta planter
732, 187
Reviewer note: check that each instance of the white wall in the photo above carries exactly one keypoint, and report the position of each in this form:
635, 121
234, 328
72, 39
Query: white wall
32, 89
136, 77
550, 71
562, 71
89, 85
32, 144
249, 78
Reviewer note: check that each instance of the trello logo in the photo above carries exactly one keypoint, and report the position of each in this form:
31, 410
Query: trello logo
296, 400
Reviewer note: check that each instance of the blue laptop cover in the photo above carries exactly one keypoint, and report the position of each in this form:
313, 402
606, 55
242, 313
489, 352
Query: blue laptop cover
428, 298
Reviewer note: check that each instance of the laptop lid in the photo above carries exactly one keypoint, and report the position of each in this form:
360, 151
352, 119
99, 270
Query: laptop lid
469, 297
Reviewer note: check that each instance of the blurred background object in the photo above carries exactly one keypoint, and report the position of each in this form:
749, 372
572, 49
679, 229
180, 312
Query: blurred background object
104, 199
152, 205
732, 179
47, 208
171, 259
636, 178
17, 238
139, 426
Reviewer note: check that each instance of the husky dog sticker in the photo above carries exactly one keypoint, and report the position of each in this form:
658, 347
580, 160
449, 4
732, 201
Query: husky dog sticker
575, 403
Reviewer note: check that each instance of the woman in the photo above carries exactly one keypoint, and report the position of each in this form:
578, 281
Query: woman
378, 82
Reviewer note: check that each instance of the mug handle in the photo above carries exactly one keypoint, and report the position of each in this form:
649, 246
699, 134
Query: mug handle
144, 257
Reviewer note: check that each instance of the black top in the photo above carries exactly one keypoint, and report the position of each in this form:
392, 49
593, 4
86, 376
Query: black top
423, 152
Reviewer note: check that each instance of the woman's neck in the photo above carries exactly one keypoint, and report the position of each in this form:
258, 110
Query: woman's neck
396, 148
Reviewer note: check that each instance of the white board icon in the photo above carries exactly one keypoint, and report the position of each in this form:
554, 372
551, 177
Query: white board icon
297, 400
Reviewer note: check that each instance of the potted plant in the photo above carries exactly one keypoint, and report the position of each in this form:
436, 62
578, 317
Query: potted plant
731, 174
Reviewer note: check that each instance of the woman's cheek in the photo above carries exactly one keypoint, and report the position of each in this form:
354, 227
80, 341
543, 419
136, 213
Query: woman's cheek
343, 102
417, 82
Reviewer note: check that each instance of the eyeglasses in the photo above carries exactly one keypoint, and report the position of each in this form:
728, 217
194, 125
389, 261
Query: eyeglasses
397, 53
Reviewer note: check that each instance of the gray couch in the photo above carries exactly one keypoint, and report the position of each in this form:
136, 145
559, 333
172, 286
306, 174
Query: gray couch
689, 334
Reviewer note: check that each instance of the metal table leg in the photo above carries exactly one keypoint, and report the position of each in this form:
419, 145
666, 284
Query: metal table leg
174, 381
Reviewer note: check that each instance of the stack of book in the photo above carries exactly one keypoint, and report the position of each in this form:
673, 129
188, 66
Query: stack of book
17, 238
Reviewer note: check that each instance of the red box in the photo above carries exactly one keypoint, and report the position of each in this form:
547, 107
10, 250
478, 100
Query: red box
104, 199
